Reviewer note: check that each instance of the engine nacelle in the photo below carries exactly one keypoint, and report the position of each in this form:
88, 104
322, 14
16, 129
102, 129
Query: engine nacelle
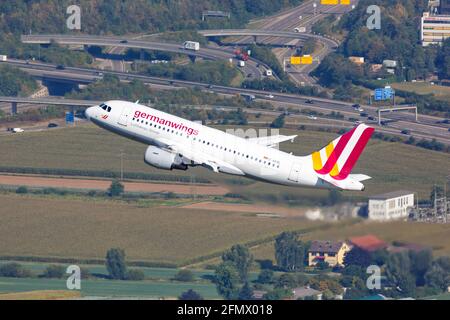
163, 159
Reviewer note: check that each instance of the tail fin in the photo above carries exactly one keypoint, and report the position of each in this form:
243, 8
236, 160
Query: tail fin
339, 156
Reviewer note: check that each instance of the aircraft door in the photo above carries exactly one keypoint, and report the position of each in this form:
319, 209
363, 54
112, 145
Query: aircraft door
295, 172
124, 116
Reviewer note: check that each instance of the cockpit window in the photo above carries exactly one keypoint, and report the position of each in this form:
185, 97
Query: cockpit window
105, 107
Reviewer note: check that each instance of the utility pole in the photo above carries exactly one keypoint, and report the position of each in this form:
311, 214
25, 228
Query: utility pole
121, 164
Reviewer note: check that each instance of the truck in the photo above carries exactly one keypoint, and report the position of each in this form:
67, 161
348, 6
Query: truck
241, 63
17, 130
191, 45
300, 29
248, 97
239, 54
3, 57
269, 73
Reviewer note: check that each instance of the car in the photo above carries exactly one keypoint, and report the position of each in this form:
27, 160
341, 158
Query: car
123, 41
356, 106
383, 123
270, 96
60, 67
358, 122
52, 125
364, 114
312, 117
406, 131
448, 129
210, 86
371, 118
309, 101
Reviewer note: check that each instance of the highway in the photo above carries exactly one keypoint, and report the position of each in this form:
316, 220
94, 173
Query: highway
205, 52
427, 125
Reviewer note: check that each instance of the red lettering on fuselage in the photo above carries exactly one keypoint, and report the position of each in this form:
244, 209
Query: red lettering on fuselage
178, 126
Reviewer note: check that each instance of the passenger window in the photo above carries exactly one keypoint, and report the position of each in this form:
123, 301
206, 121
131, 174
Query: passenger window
109, 109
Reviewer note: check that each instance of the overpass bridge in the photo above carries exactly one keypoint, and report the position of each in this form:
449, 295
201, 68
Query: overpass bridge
205, 52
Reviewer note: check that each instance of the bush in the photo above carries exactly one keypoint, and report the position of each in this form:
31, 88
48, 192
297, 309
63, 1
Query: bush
116, 188
22, 190
14, 270
54, 271
184, 276
135, 275
190, 295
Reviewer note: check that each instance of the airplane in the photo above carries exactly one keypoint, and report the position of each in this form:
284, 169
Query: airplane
177, 143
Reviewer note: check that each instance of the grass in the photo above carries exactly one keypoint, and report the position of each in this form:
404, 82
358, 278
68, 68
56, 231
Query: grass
71, 228
392, 165
40, 295
440, 92
105, 288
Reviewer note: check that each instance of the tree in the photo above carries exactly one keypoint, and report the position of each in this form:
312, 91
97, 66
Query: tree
241, 258
265, 276
116, 188
278, 122
184, 276
438, 276
420, 263
14, 270
357, 256
289, 252
190, 295
246, 292
286, 281
54, 271
115, 263
227, 280
135, 275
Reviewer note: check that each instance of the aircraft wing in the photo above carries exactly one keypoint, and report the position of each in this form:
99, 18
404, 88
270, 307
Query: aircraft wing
271, 141
199, 158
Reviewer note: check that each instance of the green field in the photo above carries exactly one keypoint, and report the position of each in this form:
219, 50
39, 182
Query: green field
392, 165
440, 92
111, 288
79, 228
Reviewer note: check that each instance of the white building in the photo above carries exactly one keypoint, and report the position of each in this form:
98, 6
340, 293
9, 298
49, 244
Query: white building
392, 205
434, 29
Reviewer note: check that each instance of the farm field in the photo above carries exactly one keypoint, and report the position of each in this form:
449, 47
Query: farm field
440, 92
85, 229
392, 166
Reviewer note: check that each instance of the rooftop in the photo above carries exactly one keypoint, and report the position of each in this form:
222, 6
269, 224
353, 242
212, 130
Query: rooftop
325, 246
368, 242
303, 292
391, 195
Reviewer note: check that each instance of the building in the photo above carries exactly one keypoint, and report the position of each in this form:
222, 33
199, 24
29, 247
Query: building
368, 243
356, 60
390, 206
434, 29
328, 251
306, 292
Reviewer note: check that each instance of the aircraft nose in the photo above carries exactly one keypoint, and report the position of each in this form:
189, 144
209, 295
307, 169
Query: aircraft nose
89, 112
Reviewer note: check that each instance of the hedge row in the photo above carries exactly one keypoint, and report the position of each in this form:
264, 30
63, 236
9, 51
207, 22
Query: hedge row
102, 174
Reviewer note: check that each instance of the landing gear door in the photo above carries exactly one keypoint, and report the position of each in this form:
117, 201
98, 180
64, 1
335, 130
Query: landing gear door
295, 172
124, 116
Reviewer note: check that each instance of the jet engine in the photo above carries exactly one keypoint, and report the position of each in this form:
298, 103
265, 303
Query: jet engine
163, 159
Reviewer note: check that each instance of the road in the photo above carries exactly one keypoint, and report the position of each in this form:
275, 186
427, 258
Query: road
290, 19
426, 127
205, 52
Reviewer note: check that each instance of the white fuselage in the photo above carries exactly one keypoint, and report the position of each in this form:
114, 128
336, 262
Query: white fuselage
245, 157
